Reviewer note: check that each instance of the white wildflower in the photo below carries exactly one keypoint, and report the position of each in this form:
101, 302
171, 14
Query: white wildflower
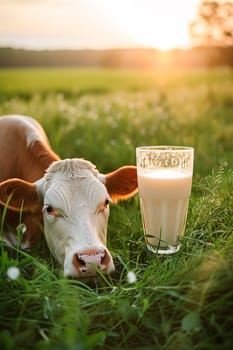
132, 278
13, 272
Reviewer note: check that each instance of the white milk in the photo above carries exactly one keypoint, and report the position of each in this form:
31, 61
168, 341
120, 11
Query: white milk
164, 197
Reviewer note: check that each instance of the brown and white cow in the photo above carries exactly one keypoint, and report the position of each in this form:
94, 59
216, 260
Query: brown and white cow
67, 199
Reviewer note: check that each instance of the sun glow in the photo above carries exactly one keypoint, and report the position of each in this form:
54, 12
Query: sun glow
145, 28
164, 37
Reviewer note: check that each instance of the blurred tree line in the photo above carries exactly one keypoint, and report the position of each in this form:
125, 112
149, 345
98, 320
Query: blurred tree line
197, 57
214, 25
211, 34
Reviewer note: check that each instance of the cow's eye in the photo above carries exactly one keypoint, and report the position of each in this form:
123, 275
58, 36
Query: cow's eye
50, 210
102, 206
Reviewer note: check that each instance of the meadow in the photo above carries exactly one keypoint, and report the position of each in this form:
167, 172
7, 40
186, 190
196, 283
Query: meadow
184, 301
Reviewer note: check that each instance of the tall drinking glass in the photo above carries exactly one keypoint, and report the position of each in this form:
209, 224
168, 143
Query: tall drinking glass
164, 184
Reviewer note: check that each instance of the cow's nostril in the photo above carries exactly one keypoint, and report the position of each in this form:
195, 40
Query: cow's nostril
82, 264
105, 260
79, 264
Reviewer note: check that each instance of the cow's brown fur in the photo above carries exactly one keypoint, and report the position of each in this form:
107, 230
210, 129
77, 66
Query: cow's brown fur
19, 160
122, 183
23, 161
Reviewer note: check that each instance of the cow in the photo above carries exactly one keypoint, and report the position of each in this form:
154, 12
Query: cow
66, 200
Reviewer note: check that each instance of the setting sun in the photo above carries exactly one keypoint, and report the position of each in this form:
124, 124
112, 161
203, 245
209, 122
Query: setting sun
156, 24
162, 36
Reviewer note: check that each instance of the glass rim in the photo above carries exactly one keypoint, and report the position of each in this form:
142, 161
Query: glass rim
166, 148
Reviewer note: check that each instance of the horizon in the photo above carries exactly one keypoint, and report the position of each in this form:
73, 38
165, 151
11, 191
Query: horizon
100, 49
96, 25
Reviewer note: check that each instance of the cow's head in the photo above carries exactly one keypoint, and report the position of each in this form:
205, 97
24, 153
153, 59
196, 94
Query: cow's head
74, 198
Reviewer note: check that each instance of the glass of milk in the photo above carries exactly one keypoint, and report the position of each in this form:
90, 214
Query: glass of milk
164, 184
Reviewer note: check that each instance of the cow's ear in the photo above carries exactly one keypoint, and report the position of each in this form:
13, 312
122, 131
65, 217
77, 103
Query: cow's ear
17, 194
122, 183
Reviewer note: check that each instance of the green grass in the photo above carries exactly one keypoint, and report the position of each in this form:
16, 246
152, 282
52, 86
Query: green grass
72, 82
180, 302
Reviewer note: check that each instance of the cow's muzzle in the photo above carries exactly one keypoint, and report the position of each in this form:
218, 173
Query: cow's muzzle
87, 263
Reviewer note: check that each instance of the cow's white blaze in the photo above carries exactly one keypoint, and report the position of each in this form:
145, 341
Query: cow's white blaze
75, 211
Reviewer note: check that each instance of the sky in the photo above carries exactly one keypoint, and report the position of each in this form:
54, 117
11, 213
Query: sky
96, 24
